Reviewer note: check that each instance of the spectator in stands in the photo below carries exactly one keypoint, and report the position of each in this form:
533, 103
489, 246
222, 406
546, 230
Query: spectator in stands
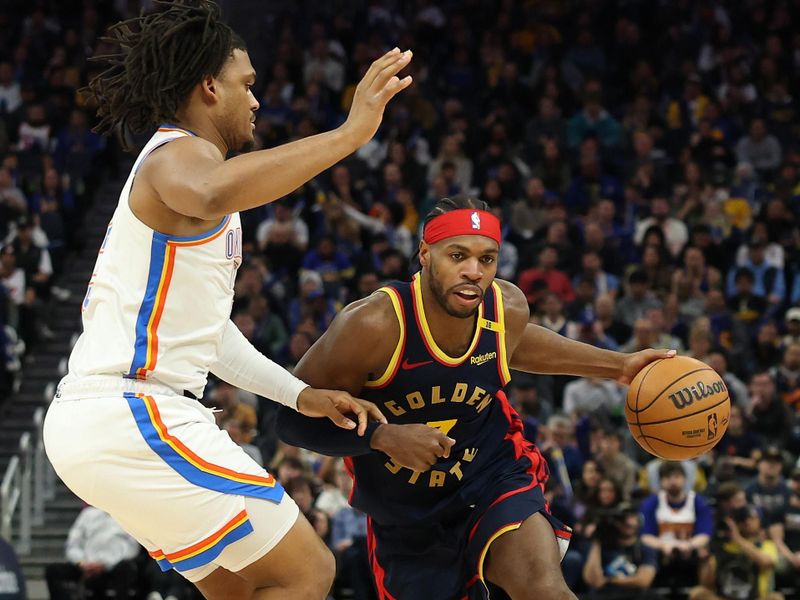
100, 557
637, 299
739, 448
615, 463
769, 491
678, 524
787, 376
760, 149
768, 281
555, 280
675, 231
743, 567
784, 530
12, 201
767, 415
620, 566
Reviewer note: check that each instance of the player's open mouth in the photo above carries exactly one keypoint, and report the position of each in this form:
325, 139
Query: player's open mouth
468, 296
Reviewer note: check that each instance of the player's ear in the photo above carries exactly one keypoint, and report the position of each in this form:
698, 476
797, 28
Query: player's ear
424, 253
208, 89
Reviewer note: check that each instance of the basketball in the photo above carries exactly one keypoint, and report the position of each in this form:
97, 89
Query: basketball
677, 408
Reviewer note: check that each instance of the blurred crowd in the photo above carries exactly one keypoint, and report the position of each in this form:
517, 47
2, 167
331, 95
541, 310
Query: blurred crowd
50, 163
643, 157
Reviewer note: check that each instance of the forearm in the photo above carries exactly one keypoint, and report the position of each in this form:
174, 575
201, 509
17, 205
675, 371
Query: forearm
641, 579
762, 559
651, 541
699, 541
256, 178
241, 365
592, 570
322, 436
547, 352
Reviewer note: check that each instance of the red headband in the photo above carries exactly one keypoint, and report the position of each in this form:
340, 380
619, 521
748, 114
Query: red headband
464, 221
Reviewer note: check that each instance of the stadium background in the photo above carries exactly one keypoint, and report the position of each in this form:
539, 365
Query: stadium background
643, 155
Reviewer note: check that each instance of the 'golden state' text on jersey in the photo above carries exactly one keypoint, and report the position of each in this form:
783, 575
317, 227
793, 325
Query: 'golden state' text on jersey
463, 397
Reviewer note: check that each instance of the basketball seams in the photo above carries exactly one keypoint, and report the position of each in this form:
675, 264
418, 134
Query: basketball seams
699, 412
676, 380
636, 412
652, 437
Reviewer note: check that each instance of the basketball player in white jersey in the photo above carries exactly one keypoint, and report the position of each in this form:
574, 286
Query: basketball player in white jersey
125, 431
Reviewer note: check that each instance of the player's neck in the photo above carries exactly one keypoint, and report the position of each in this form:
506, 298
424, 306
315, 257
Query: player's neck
452, 334
202, 126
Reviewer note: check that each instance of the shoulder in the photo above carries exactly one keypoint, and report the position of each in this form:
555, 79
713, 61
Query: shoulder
179, 153
515, 305
373, 315
649, 503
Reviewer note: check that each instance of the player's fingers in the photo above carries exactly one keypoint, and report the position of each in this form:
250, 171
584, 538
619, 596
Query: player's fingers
334, 414
396, 85
374, 412
447, 444
378, 64
389, 71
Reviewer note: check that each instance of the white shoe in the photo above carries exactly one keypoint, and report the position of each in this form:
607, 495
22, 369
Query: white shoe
154, 596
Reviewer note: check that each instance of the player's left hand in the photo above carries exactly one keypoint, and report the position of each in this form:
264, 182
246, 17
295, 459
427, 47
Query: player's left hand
637, 361
336, 406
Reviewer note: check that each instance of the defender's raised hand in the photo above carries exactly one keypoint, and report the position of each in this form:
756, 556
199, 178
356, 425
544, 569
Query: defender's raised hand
378, 86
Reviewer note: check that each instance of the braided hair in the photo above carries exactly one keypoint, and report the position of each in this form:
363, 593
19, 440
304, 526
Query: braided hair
162, 56
445, 205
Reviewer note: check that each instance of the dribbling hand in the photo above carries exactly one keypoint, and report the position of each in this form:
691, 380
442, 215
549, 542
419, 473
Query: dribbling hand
637, 361
378, 86
336, 406
414, 446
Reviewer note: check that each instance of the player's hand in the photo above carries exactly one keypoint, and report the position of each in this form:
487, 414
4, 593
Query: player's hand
337, 406
637, 361
378, 86
414, 446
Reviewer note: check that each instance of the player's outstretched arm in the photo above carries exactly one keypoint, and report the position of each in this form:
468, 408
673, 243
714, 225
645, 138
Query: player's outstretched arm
536, 349
241, 365
196, 181
359, 343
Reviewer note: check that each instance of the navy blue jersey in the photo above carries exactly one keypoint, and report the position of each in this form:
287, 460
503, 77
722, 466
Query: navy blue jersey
461, 396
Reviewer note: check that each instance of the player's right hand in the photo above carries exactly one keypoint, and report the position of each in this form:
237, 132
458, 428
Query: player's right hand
414, 446
378, 86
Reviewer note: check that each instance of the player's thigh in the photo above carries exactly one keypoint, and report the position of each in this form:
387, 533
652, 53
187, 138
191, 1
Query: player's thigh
526, 562
301, 557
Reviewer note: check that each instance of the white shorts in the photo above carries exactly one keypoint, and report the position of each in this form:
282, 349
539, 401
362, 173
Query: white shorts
158, 464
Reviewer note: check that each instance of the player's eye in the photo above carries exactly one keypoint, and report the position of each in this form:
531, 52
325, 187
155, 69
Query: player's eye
487, 260
456, 256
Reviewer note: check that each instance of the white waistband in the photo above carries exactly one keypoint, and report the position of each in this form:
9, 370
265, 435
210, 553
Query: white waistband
104, 385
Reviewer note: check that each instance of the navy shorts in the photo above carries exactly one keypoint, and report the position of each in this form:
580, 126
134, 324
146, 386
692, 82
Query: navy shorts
445, 561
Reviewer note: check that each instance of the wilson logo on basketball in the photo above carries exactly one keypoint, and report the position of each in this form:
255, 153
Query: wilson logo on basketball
694, 393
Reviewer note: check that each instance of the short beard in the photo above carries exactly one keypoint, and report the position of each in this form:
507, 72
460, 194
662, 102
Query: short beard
440, 294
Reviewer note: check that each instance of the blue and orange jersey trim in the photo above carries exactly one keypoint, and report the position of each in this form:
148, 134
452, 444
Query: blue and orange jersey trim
394, 363
172, 127
163, 250
188, 464
206, 550
427, 336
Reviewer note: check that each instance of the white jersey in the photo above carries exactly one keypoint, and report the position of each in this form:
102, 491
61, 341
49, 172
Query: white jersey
675, 523
157, 304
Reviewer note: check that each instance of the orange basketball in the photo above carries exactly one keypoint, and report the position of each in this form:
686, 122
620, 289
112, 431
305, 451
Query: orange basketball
677, 408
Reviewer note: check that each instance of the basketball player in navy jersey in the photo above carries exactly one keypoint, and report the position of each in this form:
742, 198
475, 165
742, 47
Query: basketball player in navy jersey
453, 491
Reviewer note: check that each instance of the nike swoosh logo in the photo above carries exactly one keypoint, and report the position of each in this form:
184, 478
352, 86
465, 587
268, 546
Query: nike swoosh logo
407, 366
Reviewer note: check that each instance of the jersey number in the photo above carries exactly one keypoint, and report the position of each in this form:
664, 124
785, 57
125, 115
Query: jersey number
443, 426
